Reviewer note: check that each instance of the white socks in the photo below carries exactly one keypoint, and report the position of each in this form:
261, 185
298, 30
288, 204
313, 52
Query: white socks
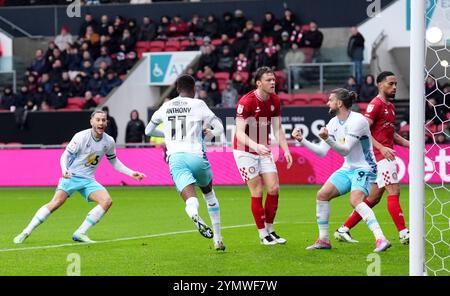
39, 218
214, 213
269, 227
369, 217
323, 215
192, 206
92, 218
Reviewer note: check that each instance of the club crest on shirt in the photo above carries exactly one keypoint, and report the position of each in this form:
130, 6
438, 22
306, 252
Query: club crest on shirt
369, 108
240, 109
272, 108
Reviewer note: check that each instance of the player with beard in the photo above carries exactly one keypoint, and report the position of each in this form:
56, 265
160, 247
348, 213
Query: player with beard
347, 133
381, 116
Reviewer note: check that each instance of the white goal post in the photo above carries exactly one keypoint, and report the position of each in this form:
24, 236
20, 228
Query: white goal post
417, 140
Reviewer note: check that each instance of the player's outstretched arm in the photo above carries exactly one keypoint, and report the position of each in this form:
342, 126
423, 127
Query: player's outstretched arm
320, 149
119, 166
151, 131
399, 140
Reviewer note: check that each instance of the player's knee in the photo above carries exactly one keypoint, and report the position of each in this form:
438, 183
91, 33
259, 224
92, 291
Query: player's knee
273, 189
106, 203
322, 195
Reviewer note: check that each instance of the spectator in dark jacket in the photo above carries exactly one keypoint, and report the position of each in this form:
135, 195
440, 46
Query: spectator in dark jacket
57, 99
355, 50
211, 27
7, 99
111, 127
147, 31
111, 82
368, 90
226, 27
268, 24
95, 83
39, 64
312, 40
135, 131
89, 103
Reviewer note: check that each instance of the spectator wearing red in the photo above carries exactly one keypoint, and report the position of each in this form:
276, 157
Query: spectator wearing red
178, 27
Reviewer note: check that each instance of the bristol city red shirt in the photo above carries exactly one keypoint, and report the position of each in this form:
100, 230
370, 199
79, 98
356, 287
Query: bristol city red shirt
259, 114
383, 126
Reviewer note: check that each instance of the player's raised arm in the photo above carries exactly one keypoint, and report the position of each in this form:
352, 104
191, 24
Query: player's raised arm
320, 149
351, 140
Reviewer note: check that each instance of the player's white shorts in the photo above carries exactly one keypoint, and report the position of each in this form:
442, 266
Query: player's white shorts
251, 165
387, 173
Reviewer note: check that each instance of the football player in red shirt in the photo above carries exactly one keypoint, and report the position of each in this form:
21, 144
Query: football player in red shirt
381, 116
257, 111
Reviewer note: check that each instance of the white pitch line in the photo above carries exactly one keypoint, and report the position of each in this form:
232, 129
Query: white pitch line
147, 236
114, 240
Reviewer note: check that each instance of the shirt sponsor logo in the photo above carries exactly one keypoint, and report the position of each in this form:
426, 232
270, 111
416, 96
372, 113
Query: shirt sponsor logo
257, 109
240, 109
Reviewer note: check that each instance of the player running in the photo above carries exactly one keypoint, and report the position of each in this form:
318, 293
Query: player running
257, 111
79, 163
380, 114
186, 121
348, 134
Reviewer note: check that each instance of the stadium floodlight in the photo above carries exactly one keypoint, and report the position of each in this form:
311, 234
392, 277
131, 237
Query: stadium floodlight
417, 139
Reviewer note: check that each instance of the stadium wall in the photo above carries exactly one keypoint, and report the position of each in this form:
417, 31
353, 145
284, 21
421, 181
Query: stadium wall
41, 167
47, 20
46, 128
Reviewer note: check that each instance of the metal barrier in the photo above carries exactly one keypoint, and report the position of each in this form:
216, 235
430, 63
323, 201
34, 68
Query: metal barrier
305, 72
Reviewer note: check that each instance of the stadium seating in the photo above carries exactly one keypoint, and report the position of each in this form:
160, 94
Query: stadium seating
172, 45
318, 99
300, 99
222, 78
285, 98
244, 75
155, 46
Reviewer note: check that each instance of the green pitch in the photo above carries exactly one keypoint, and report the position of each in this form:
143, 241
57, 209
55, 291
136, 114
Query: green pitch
147, 232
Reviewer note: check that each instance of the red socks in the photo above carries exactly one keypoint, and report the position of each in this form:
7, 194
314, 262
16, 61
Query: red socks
266, 214
394, 208
355, 217
258, 212
271, 207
